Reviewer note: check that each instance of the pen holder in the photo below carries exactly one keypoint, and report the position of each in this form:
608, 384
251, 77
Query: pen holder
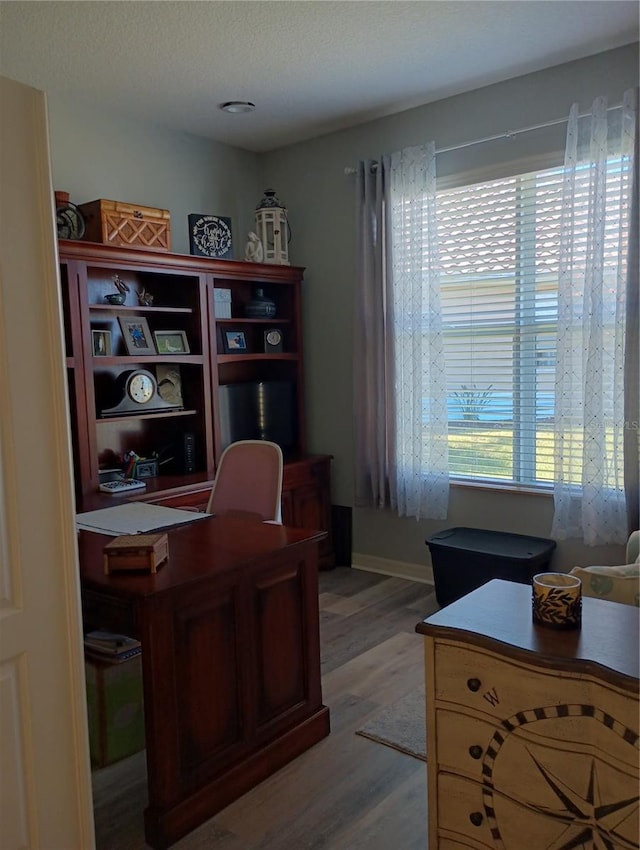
557, 600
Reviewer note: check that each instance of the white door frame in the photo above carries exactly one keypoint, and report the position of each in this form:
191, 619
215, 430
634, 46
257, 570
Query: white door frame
45, 788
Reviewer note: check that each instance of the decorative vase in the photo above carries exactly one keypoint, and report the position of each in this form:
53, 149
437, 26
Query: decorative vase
260, 306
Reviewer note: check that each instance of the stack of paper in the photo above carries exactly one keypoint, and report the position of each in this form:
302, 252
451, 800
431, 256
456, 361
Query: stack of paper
135, 518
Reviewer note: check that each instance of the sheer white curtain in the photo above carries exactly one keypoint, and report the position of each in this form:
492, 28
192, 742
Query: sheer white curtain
399, 378
589, 490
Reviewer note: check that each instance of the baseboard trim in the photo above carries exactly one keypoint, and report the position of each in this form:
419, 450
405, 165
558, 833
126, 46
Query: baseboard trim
396, 569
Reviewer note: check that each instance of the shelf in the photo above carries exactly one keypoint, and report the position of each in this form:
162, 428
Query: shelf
131, 359
123, 308
246, 321
246, 358
158, 414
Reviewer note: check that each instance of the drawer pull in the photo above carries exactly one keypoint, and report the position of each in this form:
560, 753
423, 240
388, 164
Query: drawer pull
475, 751
476, 818
474, 684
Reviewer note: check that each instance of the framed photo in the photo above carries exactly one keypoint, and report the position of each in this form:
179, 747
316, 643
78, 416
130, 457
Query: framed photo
101, 343
234, 341
136, 334
171, 342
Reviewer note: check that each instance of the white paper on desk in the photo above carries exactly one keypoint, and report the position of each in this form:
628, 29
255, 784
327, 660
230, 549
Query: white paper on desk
135, 518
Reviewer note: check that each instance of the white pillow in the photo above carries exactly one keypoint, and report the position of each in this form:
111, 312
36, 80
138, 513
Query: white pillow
616, 584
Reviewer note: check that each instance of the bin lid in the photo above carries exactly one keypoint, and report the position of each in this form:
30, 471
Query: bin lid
499, 543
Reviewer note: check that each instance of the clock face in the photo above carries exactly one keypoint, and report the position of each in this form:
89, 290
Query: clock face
274, 337
140, 387
137, 392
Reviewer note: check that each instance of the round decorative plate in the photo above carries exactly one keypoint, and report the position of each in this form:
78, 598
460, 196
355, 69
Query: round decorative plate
210, 236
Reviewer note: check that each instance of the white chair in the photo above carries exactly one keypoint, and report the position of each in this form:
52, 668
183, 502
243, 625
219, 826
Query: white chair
249, 481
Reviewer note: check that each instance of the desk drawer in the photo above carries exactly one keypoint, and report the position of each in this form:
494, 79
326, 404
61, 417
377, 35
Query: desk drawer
523, 802
482, 681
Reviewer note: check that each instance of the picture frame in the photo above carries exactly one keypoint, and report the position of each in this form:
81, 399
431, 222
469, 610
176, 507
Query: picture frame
136, 334
234, 341
171, 342
210, 236
101, 343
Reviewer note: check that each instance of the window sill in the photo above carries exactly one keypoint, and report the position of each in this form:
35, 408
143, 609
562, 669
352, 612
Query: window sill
504, 488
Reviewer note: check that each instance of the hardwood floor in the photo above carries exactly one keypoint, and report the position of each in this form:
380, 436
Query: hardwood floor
347, 792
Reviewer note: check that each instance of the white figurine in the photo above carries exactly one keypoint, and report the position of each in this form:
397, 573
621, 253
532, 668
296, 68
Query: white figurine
253, 251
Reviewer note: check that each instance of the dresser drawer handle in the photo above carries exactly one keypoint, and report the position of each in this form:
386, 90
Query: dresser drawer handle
475, 751
474, 684
475, 818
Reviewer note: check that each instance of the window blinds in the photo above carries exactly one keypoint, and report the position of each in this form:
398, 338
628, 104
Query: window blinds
499, 244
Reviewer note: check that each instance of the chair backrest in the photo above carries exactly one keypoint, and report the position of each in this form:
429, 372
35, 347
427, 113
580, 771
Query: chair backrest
249, 480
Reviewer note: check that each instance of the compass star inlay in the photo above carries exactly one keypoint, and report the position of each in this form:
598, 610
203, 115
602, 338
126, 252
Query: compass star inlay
590, 821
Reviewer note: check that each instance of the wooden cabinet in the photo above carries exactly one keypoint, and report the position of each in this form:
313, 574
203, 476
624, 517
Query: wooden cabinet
532, 734
215, 377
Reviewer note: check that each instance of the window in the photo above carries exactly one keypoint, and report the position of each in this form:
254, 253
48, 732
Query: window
499, 244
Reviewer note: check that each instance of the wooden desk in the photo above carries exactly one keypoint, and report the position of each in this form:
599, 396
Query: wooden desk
231, 660
532, 734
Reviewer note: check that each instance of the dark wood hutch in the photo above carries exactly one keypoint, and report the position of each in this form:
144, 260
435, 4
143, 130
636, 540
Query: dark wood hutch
183, 290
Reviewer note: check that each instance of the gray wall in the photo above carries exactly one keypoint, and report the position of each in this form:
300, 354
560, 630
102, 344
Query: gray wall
96, 154
310, 178
99, 155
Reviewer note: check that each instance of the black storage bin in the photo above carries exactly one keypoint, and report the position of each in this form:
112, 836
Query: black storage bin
465, 558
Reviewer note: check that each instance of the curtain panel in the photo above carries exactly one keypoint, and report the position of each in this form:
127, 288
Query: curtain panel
373, 387
632, 350
589, 489
400, 408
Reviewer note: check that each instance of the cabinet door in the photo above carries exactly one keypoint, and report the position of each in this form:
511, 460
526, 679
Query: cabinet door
199, 636
306, 501
286, 651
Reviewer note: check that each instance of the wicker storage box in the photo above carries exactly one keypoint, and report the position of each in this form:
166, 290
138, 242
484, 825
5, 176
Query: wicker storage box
117, 223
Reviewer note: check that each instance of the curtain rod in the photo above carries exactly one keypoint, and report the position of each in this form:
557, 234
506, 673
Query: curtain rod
508, 134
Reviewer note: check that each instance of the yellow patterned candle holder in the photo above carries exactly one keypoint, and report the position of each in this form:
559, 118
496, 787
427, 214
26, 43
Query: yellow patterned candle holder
557, 601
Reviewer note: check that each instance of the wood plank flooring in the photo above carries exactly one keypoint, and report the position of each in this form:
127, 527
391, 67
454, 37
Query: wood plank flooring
346, 793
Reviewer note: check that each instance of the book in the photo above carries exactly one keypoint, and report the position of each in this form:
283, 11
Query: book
110, 644
112, 659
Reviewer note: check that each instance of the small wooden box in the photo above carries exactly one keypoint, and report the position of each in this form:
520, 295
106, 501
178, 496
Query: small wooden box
117, 223
136, 552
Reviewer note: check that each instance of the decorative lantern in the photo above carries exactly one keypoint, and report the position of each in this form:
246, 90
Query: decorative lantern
273, 229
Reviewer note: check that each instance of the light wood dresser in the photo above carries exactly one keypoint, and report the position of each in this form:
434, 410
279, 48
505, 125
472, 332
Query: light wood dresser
532, 733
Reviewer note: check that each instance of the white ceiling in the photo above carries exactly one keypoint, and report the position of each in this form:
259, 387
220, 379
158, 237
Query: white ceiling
310, 67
